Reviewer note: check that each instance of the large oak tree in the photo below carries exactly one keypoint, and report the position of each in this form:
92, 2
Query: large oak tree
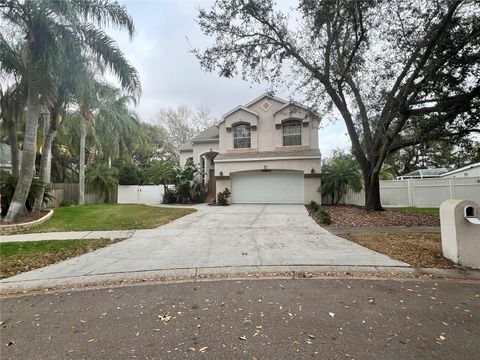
398, 73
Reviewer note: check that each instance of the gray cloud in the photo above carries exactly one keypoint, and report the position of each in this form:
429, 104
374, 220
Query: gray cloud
172, 76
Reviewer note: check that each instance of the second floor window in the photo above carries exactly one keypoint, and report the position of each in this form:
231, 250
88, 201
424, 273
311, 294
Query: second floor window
241, 136
292, 134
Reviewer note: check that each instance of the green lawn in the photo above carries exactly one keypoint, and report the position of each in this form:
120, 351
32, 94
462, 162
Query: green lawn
21, 256
429, 211
109, 217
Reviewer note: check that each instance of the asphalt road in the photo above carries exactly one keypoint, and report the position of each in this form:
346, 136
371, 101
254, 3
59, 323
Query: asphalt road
248, 319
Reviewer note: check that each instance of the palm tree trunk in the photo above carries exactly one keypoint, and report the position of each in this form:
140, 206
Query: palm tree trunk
27, 168
44, 175
81, 167
13, 140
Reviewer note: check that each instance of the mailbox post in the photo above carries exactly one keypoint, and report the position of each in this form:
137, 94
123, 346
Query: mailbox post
460, 226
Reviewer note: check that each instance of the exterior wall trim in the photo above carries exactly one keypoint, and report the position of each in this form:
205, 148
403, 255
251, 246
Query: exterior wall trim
227, 177
268, 159
312, 175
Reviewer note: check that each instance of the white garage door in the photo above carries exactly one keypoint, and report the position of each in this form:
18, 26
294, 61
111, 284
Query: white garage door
281, 187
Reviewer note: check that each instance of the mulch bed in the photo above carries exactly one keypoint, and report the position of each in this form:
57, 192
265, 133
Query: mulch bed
354, 216
27, 217
423, 250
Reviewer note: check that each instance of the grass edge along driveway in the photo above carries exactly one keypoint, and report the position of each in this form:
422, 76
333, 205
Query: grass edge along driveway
21, 256
105, 217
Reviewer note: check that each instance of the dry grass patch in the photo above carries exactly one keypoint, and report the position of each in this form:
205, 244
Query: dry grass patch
417, 249
21, 256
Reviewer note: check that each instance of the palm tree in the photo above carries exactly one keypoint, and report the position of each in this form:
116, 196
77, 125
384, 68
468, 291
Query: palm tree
76, 25
339, 174
66, 83
105, 110
103, 178
12, 101
13, 98
161, 172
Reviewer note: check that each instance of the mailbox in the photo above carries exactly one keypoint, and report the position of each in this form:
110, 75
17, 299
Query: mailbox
470, 215
460, 228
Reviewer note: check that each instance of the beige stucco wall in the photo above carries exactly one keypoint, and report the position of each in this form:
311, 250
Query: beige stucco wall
220, 185
310, 188
267, 137
201, 148
304, 165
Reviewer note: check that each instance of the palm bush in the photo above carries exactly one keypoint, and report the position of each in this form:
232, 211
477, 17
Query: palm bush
340, 174
187, 189
8, 183
103, 178
160, 172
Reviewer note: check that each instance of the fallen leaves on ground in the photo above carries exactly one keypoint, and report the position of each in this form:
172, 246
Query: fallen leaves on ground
165, 317
355, 216
417, 249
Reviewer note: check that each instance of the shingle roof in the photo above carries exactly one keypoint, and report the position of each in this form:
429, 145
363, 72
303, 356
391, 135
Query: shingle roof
210, 133
186, 147
428, 172
271, 154
471, 166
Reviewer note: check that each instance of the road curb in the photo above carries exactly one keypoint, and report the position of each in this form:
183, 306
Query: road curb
226, 273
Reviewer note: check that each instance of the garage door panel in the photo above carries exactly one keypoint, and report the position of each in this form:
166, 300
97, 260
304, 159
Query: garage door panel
283, 187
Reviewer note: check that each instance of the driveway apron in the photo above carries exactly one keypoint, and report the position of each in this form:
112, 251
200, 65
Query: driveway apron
237, 235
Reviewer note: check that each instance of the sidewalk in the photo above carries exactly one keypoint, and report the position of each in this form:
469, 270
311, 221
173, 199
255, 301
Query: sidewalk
126, 234
70, 235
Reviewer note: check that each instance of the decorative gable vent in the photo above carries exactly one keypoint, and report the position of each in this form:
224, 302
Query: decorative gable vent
266, 105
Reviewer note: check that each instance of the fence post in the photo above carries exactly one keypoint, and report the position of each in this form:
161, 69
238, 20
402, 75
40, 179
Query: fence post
451, 188
410, 193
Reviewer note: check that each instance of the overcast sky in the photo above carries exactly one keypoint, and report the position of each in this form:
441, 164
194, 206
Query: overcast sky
172, 76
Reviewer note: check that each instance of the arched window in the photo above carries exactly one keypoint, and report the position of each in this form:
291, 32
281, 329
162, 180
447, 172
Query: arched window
292, 133
241, 136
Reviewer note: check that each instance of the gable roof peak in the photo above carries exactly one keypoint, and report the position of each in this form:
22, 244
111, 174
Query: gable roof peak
268, 95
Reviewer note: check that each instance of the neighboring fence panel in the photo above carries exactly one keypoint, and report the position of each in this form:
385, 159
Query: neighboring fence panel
421, 192
145, 194
68, 193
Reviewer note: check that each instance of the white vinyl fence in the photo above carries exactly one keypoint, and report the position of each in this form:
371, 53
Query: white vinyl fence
144, 194
421, 192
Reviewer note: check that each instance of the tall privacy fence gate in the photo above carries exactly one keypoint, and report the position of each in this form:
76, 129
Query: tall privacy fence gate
140, 194
419, 193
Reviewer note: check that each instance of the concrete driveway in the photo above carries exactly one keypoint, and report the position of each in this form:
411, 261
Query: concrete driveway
237, 235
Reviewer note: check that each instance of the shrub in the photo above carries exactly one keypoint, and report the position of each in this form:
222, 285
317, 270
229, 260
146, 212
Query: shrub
186, 190
223, 197
169, 197
129, 174
324, 216
8, 182
314, 206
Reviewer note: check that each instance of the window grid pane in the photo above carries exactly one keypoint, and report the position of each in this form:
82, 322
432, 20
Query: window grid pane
241, 136
292, 134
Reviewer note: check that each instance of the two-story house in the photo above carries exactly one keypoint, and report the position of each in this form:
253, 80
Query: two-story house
265, 151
